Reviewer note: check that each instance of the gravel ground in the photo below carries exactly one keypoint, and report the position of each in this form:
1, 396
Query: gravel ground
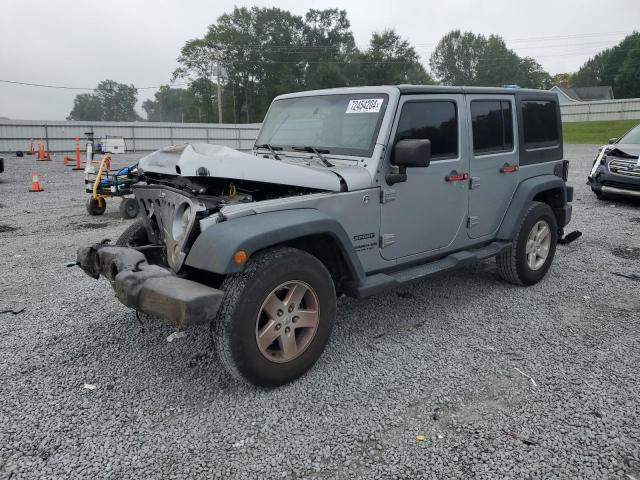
448, 358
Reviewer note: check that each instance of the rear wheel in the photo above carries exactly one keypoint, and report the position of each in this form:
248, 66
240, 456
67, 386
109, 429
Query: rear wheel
529, 257
129, 208
276, 317
96, 206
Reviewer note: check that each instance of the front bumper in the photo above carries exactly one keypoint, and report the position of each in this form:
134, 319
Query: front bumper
607, 182
149, 288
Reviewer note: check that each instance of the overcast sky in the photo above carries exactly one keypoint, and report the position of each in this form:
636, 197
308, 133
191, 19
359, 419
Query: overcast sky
81, 42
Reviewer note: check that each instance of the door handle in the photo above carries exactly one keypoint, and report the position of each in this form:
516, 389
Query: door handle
506, 168
454, 176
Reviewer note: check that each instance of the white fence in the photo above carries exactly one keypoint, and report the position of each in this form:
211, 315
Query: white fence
59, 136
623, 109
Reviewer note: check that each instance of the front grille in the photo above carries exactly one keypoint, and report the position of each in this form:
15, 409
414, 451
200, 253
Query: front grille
172, 216
626, 167
622, 185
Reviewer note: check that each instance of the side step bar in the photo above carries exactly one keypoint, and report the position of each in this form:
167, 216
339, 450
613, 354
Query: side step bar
379, 282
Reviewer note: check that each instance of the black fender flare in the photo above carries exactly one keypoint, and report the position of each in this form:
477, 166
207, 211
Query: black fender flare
523, 197
214, 248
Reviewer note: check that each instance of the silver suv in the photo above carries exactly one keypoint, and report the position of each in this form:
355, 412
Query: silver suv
348, 191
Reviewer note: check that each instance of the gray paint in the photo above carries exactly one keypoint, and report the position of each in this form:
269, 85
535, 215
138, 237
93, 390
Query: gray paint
202, 159
256, 232
491, 190
528, 189
418, 220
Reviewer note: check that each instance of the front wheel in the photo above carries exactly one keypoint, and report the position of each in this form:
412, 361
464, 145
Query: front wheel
529, 257
134, 236
276, 317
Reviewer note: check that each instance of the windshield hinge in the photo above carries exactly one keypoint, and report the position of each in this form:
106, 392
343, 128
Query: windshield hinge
388, 195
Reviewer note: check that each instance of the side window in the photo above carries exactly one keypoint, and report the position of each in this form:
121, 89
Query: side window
539, 123
492, 126
432, 120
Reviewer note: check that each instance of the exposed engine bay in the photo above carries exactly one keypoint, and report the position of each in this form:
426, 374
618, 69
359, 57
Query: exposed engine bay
221, 191
173, 207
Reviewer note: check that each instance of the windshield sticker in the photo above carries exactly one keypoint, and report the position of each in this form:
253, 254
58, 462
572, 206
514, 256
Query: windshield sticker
365, 105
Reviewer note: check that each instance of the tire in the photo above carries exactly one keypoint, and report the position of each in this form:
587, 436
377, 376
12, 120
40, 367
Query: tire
129, 208
135, 235
514, 264
95, 206
241, 317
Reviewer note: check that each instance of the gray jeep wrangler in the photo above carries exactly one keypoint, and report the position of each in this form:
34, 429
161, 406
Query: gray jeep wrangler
347, 191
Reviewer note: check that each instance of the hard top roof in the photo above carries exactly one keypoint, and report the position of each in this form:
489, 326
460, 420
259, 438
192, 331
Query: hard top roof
425, 89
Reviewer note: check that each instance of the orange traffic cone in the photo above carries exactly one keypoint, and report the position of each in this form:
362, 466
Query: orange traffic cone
31, 149
78, 165
35, 183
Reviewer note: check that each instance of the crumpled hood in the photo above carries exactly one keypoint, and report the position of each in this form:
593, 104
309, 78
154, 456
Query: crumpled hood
628, 148
203, 159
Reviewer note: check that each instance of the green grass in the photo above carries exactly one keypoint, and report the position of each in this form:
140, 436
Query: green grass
595, 132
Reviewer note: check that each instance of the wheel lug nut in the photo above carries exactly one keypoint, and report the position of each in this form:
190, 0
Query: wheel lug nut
278, 326
291, 308
294, 319
280, 313
287, 330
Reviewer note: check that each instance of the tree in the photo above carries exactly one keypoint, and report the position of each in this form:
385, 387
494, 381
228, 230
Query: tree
616, 67
470, 59
562, 79
627, 80
532, 75
200, 61
455, 58
328, 46
204, 101
391, 60
261, 54
118, 101
496, 64
265, 52
86, 106
592, 73
111, 101
170, 105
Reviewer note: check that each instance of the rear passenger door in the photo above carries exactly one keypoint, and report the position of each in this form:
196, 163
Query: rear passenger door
493, 165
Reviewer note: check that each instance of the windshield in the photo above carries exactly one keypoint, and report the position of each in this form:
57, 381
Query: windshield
341, 124
631, 137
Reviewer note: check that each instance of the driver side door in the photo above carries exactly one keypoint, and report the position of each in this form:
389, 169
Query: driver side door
425, 213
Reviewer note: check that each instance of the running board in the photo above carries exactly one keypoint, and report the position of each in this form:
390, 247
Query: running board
379, 282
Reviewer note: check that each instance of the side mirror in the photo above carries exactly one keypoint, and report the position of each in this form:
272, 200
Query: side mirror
612, 140
412, 153
408, 153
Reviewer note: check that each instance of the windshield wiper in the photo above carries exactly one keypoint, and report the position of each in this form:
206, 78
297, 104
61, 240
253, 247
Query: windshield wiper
318, 153
272, 149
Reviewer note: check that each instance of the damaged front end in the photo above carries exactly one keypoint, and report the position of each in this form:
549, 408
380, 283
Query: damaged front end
616, 171
149, 288
151, 277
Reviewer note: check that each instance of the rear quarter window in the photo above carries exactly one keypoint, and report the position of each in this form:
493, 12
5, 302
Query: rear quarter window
540, 123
